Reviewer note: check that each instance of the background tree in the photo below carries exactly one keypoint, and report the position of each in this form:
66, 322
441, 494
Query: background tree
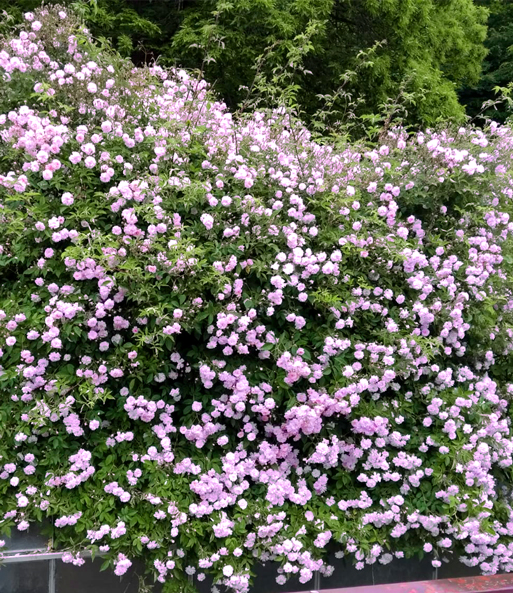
428, 47
498, 64
423, 51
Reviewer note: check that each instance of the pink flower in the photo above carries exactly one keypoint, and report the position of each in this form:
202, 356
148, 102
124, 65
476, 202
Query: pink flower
122, 564
207, 220
67, 199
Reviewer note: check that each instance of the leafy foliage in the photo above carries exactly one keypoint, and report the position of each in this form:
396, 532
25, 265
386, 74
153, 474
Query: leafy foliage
223, 342
421, 51
431, 47
498, 65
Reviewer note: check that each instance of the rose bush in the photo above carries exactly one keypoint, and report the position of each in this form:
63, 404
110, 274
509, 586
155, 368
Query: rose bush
224, 343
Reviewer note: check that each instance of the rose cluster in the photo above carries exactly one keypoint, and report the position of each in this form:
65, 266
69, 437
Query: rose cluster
224, 342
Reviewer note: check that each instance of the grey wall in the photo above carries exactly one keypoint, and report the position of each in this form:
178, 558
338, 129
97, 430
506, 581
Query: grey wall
54, 576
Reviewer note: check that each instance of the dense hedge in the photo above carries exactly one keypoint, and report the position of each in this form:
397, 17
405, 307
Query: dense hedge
225, 343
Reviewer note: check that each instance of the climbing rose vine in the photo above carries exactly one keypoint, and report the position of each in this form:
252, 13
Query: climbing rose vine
224, 343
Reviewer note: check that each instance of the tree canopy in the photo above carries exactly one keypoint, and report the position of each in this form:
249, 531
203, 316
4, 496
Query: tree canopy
498, 64
416, 53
